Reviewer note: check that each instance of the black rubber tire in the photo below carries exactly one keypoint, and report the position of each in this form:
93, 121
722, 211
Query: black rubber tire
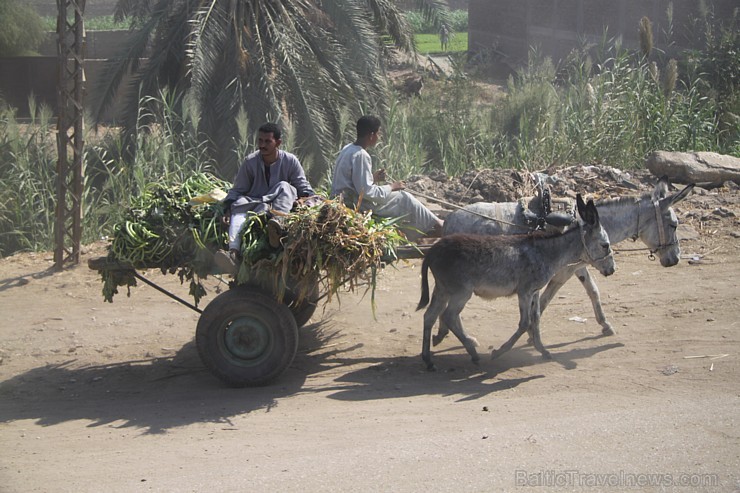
246, 338
305, 310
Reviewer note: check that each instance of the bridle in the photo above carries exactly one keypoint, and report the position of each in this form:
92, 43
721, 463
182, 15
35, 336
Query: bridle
582, 233
662, 240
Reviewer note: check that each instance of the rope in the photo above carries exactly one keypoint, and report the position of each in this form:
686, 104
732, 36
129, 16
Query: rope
462, 208
484, 216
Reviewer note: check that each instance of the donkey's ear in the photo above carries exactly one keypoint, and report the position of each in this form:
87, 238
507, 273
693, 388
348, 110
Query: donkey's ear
587, 211
580, 204
678, 197
593, 213
661, 188
583, 209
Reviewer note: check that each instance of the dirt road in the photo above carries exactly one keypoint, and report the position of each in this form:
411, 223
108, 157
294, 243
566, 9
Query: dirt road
112, 397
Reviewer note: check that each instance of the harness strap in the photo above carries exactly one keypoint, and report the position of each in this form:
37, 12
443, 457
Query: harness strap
659, 220
582, 234
662, 240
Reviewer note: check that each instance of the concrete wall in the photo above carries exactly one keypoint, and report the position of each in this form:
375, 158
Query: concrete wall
556, 26
22, 76
93, 8
98, 44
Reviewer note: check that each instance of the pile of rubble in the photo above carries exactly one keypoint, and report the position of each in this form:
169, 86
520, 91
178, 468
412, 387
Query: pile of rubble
707, 213
507, 185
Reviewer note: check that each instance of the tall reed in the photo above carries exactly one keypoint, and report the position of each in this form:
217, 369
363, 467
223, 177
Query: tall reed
27, 180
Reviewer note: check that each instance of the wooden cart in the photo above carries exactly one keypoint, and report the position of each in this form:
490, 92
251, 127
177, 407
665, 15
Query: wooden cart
245, 336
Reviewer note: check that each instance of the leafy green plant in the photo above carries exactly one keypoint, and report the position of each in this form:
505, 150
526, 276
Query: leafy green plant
21, 29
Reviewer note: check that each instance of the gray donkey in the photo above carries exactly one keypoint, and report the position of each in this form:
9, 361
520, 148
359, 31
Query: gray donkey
494, 266
649, 217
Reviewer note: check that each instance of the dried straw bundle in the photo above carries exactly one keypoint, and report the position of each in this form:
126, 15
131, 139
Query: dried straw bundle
327, 243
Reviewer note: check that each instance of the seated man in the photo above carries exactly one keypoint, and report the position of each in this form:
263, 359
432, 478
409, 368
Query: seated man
269, 180
354, 179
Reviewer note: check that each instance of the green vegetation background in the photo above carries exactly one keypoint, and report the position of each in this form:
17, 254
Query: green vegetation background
610, 106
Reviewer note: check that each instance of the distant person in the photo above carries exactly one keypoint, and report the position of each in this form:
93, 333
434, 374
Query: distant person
269, 180
354, 180
444, 37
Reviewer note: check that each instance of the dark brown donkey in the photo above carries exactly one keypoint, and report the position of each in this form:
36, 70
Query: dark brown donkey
495, 266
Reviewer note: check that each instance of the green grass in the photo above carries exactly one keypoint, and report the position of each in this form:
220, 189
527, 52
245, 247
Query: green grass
429, 43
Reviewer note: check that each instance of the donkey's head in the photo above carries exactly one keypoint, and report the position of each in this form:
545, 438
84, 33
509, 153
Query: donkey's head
597, 250
658, 224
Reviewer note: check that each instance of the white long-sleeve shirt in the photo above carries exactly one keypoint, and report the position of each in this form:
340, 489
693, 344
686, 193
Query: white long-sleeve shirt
353, 177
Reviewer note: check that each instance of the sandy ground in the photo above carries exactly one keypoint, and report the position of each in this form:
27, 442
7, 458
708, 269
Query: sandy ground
113, 397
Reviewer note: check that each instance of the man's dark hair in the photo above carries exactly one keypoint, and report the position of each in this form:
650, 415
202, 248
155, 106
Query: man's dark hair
366, 125
271, 128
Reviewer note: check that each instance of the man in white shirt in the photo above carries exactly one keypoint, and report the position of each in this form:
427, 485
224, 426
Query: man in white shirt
354, 180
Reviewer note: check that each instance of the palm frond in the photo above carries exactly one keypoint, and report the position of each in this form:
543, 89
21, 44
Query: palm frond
303, 62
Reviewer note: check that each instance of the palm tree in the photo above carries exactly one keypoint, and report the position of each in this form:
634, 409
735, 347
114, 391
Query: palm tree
302, 62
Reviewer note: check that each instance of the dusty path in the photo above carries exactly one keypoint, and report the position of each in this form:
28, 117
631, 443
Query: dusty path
112, 397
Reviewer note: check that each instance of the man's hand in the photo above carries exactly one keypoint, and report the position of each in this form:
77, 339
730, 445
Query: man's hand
398, 185
226, 218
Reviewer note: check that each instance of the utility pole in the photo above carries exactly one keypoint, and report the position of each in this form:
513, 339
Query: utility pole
70, 132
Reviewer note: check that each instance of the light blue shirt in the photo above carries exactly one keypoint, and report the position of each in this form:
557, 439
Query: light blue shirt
353, 177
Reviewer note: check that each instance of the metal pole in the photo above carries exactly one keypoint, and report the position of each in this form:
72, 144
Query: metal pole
70, 132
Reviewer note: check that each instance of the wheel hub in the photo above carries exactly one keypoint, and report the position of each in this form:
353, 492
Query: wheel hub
246, 340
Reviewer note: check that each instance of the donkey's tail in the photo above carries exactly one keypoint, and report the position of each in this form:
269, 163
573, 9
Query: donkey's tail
424, 301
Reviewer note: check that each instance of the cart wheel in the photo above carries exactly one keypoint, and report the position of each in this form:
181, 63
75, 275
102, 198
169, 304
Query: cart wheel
305, 310
245, 337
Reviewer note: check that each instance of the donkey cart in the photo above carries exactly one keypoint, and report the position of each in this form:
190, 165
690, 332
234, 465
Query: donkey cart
247, 335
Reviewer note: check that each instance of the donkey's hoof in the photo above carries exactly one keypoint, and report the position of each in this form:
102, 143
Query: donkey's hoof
437, 339
546, 355
608, 331
496, 353
431, 367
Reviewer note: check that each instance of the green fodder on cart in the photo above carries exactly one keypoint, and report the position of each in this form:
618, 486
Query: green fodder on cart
326, 244
168, 227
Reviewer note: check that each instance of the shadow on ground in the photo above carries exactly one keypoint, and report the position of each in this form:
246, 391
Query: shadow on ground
161, 393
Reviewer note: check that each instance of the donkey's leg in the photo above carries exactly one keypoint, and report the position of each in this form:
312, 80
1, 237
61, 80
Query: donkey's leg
436, 306
525, 304
593, 293
442, 332
534, 323
451, 318
557, 282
